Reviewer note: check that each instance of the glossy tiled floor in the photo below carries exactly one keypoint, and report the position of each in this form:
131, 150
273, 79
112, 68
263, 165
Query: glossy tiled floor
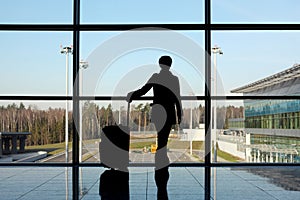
26, 183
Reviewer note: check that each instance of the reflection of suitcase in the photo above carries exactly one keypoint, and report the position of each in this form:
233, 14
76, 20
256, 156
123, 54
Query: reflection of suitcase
114, 185
114, 146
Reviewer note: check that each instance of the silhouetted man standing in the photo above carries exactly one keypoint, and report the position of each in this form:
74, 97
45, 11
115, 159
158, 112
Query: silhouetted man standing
166, 108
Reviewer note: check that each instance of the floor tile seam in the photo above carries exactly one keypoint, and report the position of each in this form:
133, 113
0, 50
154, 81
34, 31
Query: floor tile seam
248, 179
264, 191
245, 179
39, 185
252, 183
194, 177
274, 188
147, 179
89, 189
16, 174
267, 191
235, 173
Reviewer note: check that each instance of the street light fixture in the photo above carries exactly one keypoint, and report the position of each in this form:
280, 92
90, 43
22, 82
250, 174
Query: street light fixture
83, 65
215, 50
67, 50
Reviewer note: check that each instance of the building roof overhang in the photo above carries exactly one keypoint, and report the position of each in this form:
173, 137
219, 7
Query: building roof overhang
288, 74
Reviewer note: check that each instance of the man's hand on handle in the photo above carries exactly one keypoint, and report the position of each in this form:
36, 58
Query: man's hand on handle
129, 96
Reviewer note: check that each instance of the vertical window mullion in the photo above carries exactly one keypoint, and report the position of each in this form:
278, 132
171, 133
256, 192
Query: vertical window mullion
76, 123
207, 181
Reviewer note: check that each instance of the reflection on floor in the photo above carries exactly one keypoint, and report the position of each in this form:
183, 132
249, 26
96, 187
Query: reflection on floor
265, 183
287, 178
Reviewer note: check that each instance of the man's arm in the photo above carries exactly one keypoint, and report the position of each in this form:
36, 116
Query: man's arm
178, 102
140, 92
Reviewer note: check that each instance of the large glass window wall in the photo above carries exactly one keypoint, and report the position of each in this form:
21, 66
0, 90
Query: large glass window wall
276, 121
236, 123
26, 79
272, 114
270, 107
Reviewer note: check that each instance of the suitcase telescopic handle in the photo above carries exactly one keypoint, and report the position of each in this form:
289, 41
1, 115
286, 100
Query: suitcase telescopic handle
128, 112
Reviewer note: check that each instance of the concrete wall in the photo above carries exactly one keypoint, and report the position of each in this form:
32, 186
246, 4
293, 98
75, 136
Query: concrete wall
275, 132
231, 148
193, 135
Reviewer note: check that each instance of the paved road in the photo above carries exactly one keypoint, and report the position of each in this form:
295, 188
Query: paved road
59, 157
138, 156
135, 155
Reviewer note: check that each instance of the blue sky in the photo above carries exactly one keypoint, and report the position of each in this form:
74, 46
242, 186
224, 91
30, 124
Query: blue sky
255, 11
32, 64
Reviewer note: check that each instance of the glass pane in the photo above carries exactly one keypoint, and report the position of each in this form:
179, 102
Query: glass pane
124, 61
34, 131
255, 11
257, 131
140, 183
31, 183
260, 183
149, 12
36, 12
257, 62
228, 136
143, 133
32, 63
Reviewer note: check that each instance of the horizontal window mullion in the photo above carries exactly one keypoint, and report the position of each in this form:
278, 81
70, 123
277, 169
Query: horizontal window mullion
255, 164
199, 164
37, 27
32, 164
98, 27
254, 97
37, 98
148, 27
120, 98
248, 27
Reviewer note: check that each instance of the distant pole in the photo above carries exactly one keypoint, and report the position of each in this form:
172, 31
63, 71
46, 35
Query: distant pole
215, 50
67, 50
191, 127
191, 117
83, 65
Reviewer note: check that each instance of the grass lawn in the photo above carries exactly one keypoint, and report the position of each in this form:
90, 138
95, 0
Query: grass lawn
140, 145
177, 144
53, 149
227, 156
172, 144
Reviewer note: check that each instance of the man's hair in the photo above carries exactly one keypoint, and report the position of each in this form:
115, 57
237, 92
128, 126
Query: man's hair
165, 60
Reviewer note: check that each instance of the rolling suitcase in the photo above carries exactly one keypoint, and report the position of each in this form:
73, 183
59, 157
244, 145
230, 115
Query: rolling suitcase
114, 185
114, 145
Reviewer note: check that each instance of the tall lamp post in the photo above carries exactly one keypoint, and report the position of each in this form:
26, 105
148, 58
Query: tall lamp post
83, 65
215, 50
191, 127
67, 50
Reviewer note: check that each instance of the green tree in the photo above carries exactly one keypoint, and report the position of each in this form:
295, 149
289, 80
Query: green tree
138, 111
145, 112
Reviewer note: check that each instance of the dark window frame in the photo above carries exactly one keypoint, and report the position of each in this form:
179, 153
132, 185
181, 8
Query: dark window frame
207, 26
